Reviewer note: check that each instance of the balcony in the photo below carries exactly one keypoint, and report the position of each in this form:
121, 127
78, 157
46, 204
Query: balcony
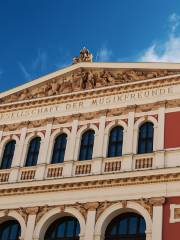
143, 161
79, 168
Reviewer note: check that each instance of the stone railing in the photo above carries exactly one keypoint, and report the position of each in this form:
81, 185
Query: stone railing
79, 168
143, 161
112, 165
82, 168
4, 175
27, 173
54, 170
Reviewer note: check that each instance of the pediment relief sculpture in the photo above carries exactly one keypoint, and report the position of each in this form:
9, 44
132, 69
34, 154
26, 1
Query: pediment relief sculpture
84, 79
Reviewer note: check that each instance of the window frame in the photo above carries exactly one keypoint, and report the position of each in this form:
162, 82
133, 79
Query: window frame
117, 143
33, 154
59, 149
86, 150
7, 157
147, 141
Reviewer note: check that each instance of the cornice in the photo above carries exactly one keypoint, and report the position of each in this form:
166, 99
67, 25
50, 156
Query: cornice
89, 94
91, 184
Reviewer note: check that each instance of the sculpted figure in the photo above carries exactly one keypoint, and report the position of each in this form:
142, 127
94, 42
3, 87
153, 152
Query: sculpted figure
55, 87
85, 56
66, 86
90, 80
78, 79
25, 95
101, 80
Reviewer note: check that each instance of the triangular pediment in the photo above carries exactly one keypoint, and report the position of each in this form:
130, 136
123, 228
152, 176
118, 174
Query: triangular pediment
88, 76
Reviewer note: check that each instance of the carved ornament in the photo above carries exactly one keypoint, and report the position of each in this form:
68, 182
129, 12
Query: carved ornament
85, 79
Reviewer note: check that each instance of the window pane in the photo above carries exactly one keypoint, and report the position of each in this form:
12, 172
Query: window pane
59, 149
123, 226
8, 155
10, 230
87, 143
33, 152
63, 228
133, 225
115, 142
128, 225
145, 141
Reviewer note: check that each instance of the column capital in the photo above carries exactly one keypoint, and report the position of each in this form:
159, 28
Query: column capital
32, 210
92, 206
157, 201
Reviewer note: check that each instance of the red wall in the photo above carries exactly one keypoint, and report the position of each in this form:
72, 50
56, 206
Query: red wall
172, 130
171, 231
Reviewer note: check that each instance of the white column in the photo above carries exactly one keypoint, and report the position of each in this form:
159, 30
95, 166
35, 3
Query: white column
98, 147
17, 159
130, 132
157, 217
159, 139
70, 150
90, 221
30, 222
127, 154
160, 129
42, 159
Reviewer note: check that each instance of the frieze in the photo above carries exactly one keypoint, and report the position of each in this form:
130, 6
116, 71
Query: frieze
102, 92
96, 114
111, 102
85, 79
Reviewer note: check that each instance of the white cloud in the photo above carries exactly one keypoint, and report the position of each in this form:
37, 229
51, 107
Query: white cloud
26, 74
38, 66
167, 51
174, 21
40, 61
103, 54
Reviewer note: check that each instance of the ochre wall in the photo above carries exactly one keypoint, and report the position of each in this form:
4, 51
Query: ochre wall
172, 130
171, 231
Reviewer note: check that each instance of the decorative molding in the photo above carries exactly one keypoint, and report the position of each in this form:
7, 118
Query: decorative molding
106, 183
82, 79
174, 213
157, 201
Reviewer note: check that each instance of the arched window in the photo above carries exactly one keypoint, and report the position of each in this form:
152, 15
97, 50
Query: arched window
65, 228
146, 134
8, 155
33, 152
115, 142
10, 230
59, 148
87, 143
129, 226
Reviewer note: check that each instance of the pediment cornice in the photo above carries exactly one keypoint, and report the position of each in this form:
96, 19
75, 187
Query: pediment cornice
81, 79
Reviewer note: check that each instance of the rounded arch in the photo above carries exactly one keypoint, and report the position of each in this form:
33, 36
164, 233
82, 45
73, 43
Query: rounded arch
80, 132
138, 124
8, 139
117, 209
53, 137
27, 141
13, 215
53, 215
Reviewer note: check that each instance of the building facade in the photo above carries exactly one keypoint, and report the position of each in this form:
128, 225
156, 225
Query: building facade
92, 152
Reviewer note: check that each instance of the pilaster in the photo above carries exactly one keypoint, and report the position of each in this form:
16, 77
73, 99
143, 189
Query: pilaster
42, 159
157, 217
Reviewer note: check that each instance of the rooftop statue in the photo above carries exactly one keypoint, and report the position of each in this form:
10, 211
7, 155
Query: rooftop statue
85, 56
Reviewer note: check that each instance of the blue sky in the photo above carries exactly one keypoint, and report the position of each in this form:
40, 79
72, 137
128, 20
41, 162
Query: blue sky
40, 36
